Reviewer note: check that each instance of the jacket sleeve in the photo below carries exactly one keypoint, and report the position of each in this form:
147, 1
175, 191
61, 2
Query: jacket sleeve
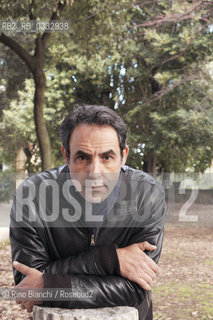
98, 261
152, 230
109, 291
94, 291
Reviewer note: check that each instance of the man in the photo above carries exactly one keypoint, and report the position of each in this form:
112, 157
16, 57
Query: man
93, 225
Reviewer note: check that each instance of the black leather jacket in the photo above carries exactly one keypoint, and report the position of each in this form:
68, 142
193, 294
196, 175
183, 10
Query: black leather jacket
63, 248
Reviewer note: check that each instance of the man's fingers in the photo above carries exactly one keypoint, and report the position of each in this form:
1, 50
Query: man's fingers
153, 266
147, 246
149, 271
148, 280
143, 284
21, 267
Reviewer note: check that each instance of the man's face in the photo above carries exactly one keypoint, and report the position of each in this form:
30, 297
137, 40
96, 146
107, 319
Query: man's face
95, 160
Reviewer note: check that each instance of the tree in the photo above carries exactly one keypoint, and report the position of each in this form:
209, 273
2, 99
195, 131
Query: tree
34, 62
12, 77
162, 84
148, 61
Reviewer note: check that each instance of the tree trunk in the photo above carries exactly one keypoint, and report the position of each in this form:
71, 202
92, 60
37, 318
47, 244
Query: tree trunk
166, 180
35, 64
40, 124
150, 159
149, 166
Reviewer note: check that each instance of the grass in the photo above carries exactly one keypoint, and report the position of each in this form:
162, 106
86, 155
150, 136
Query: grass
209, 262
4, 243
184, 301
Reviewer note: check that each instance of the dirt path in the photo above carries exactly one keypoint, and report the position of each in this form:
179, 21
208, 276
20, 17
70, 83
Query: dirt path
183, 290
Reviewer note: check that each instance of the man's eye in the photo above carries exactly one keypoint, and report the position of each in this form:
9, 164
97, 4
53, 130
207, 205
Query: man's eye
107, 157
81, 157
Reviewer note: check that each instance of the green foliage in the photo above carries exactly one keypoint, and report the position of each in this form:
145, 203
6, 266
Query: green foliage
12, 78
167, 98
15, 9
147, 60
19, 129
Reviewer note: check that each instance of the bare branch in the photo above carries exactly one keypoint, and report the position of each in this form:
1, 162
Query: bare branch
31, 15
158, 95
59, 7
19, 50
167, 89
174, 57
192, 12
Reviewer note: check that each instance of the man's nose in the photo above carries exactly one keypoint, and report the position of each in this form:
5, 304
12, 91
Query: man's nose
94, 169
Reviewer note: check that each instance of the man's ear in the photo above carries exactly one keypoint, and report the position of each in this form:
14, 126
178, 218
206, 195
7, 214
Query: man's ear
125, 154
64, 154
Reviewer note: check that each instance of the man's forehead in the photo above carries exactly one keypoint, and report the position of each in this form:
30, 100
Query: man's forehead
97, 136
88, 149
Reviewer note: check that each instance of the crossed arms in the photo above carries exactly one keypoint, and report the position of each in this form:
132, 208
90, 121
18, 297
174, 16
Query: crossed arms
137, 269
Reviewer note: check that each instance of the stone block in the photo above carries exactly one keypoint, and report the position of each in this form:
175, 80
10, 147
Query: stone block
116, 313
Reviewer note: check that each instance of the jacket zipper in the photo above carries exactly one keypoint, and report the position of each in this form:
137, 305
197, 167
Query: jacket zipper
92, 244
92, 240
93, 237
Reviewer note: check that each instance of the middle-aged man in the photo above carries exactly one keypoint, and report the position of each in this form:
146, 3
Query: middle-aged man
91, 226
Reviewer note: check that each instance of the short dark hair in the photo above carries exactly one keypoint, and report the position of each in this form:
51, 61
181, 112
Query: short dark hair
92, 114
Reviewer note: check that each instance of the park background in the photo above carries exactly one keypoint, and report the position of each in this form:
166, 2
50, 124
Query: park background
151, 61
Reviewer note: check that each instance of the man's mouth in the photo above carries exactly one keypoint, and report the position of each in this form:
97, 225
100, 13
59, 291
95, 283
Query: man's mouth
95, 190
94, 184
97, 186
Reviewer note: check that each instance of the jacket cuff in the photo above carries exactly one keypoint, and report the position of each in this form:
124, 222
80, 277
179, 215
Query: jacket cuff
106, 259
55, 281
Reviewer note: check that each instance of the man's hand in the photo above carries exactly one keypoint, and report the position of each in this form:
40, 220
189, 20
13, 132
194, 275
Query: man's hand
136, 266
33, 280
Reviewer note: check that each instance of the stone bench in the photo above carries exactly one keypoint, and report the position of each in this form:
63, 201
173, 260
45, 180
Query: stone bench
116, 313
